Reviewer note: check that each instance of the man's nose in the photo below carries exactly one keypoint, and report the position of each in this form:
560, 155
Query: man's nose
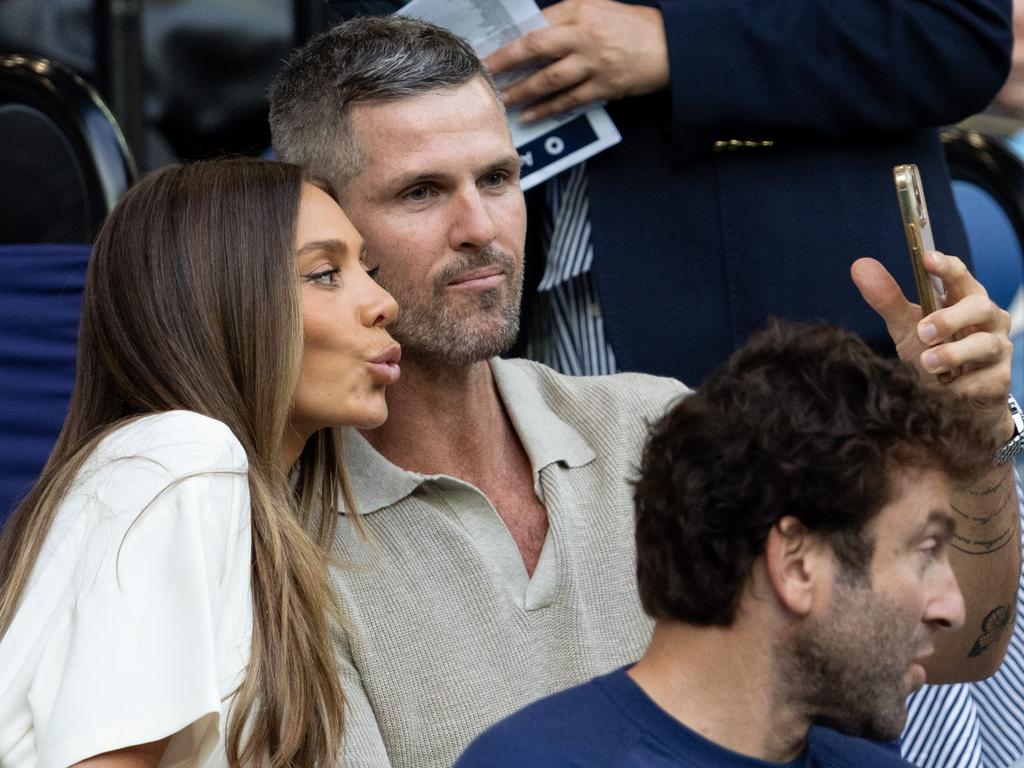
472, 226
945, 609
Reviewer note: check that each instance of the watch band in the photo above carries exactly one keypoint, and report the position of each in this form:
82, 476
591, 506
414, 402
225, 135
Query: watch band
1016, 444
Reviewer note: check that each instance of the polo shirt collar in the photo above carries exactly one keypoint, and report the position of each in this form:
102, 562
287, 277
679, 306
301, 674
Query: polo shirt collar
376, 482
548, 439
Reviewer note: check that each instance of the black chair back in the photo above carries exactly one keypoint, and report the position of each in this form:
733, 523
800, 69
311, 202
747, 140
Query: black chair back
63, 161
988, 183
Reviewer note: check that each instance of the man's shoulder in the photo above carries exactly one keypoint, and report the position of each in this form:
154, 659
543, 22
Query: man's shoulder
551, 732
632, 392
832, 749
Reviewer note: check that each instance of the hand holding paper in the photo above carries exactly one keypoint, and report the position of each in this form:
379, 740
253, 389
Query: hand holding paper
598, 50
546, 146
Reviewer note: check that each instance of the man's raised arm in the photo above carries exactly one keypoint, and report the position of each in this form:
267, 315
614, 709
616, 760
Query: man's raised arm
970, 338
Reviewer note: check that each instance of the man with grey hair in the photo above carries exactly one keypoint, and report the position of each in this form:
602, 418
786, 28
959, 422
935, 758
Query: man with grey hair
498, 564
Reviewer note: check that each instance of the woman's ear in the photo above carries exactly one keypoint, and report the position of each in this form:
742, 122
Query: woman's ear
797, 564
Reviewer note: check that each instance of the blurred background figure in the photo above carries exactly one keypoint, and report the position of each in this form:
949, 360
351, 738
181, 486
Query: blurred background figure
1005, 119
202, 66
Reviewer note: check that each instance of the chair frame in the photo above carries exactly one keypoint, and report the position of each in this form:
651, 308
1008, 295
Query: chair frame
989, 163
76, 108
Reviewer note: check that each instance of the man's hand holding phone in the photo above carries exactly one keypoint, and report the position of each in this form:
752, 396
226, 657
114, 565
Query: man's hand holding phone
970, 333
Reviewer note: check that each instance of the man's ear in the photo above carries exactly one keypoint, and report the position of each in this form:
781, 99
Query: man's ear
796, 564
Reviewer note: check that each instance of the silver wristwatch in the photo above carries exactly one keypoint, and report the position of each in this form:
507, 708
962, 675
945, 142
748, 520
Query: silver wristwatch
1016, 444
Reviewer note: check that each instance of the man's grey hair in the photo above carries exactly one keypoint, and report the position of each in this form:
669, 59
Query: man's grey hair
373, 58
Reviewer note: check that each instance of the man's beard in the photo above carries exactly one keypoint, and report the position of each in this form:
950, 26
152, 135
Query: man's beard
848, 670
441, 329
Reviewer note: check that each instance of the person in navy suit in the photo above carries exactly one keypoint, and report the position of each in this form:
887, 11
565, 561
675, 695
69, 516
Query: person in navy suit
758, 140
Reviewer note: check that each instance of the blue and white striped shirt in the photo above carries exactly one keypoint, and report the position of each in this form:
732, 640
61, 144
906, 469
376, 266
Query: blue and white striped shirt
567, 332
973, 725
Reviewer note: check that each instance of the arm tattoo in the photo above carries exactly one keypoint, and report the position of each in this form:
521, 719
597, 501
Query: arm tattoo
982, 546
992, 628
991, 532
990, 489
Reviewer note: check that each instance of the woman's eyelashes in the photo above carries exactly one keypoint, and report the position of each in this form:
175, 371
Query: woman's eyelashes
330, 276
323, 276
328, 271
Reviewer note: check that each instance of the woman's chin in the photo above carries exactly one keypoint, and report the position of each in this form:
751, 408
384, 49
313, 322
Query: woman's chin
373, 417
367, 412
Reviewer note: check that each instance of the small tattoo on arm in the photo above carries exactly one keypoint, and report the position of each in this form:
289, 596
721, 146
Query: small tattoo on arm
985, 534
990, 489
992, 628
982, 546
1004, 503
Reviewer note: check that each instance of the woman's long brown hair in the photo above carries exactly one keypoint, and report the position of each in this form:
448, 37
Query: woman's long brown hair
192, 303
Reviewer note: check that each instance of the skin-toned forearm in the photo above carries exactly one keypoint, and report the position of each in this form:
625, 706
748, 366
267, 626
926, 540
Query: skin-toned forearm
986, 557
968, 338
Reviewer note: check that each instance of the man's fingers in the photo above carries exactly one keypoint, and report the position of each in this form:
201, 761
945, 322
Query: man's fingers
552, 79
973, 352
506, 57
585, 93
532, 48
881, 291
564, 12
955, 276
974, 311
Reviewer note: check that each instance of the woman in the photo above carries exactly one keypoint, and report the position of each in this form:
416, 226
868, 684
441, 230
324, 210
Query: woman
161, 598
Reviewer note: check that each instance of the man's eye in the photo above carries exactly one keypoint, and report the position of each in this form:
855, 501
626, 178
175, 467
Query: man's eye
494, 179
323, 277
934, 547
418, 195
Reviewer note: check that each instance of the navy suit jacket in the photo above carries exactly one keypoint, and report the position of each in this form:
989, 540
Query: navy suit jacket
694, 249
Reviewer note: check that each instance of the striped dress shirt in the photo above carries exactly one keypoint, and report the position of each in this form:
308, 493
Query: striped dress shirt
973, 725
567, 332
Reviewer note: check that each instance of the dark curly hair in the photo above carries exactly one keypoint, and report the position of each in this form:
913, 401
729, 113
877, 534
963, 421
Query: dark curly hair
804, 421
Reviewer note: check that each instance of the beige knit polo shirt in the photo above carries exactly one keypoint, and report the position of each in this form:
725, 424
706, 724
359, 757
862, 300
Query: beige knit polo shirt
448, 633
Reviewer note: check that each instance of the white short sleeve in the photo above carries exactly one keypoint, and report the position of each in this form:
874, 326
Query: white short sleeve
156, 623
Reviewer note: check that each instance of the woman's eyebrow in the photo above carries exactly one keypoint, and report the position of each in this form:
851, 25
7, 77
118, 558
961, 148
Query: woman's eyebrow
336, 247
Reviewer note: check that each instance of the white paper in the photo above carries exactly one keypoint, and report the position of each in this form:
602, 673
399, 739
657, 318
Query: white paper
548, 146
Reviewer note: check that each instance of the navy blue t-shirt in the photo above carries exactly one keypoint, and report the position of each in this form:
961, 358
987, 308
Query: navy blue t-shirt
610, 722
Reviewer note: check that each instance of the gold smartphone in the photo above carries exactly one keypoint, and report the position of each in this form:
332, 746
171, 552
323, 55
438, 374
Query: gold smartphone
918, 230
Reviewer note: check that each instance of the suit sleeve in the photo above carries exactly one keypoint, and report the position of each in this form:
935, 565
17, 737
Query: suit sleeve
831, 69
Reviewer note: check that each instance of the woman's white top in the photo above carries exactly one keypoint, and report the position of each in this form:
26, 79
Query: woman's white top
137, 621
